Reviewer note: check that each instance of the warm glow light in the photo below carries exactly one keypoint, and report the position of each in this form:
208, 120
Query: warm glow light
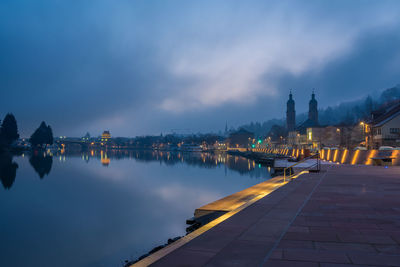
335, 155
355, 157
329, 155
395, 155
344, 155
371, 154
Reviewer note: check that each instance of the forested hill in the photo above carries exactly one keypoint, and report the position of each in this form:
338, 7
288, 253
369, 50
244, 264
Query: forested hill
344, 113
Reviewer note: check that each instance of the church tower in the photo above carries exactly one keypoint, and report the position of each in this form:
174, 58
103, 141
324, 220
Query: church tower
290, 114
313, 109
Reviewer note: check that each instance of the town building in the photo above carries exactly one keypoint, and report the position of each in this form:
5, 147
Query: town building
105, 136
298, 136
384, 127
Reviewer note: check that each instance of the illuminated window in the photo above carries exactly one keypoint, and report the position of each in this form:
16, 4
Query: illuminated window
309, 135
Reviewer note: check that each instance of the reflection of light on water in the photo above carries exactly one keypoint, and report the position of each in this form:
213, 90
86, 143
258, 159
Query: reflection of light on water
104, 159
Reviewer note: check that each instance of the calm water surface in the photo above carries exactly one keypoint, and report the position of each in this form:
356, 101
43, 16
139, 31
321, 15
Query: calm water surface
101, 208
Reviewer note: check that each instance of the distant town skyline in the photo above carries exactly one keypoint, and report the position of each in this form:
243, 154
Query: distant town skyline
147, 67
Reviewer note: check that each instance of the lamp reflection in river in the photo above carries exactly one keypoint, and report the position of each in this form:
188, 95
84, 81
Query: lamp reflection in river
105, 161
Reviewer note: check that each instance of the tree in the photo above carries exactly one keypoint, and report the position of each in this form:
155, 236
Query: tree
50, 139
42, 136
276, 132
9, 129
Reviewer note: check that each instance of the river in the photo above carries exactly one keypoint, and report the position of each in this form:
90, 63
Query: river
100, 208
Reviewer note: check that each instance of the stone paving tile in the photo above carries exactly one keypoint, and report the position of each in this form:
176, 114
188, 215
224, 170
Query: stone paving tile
382, 239
327, 264
296, 244
185, 257
216, 239
277, 254
346, 247
267, 227
315, 255
299, 229
286, 263
375, 259
337, 231
241, 253
388, 249
351, 219
328, 237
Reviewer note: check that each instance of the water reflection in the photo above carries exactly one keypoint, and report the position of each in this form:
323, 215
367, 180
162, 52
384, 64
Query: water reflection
204, 160
8, 170
41, 163
104, 215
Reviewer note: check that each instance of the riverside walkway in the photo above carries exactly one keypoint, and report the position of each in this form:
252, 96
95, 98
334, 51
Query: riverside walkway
343, 216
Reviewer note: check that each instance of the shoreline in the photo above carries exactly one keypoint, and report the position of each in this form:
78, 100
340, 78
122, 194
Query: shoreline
238, 201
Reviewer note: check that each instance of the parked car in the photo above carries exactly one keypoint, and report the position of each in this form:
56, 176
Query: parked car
360, 148
386, 148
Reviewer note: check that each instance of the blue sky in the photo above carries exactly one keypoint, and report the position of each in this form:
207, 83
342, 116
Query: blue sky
146, 67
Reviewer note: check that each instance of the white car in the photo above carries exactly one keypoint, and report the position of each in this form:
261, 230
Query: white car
360, 148
386, 148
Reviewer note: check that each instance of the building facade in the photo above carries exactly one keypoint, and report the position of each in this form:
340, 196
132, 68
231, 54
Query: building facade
384, 129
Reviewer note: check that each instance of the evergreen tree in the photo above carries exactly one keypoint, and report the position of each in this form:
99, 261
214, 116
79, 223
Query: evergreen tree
9, 129
50, 138
2, 141
42, 136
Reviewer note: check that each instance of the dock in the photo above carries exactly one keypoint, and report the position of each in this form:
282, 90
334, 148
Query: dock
347, 215
240, 198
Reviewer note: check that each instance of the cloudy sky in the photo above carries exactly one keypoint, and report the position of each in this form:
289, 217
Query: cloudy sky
146, 67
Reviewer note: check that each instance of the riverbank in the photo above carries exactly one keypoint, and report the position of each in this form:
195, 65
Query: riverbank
227, 207
347, 215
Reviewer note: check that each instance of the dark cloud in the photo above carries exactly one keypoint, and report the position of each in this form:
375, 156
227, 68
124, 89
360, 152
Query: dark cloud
152, 66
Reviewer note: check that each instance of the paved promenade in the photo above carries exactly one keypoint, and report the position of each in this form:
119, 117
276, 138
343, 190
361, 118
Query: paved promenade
345, 216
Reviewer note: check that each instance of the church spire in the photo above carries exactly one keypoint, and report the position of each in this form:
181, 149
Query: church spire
290, 113
313, 109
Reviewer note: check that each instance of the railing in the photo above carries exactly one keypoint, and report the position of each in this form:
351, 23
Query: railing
317, 164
